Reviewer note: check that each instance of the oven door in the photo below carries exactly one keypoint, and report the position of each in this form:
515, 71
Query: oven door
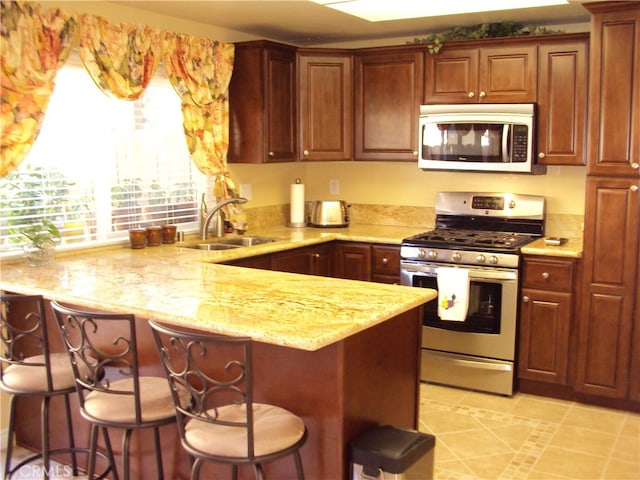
490, 327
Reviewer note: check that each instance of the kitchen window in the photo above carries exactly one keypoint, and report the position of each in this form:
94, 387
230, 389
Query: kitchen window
101, 166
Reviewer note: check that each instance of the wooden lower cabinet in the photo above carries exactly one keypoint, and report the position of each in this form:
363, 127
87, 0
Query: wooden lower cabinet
546, 312
606, 349
385, 263
352, 260
314, 260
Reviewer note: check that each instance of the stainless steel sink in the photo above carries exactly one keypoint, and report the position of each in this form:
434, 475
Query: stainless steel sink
228, 243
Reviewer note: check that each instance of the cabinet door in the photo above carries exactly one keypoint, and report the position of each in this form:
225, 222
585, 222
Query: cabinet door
508, 74
321, 259
614, 108
353, 261
292, 261
562, 103
262, 104
385, 263
326, 106
261, 261
609, 290
451, 76
388, 91
281, 137
544, 336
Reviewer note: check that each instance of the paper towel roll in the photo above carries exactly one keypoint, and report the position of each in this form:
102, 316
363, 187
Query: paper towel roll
297, 205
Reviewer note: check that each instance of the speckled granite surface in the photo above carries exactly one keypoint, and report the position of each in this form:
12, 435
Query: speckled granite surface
183, 286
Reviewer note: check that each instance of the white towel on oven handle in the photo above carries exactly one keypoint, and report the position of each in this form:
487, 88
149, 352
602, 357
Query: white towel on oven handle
453, 293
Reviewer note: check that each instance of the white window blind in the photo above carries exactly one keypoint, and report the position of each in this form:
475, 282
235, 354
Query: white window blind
102, 165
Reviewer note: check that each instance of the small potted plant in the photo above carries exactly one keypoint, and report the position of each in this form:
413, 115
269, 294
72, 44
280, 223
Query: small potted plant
41, 242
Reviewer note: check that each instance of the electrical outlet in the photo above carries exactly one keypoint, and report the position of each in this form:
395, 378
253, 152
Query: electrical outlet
334, 186
245, 190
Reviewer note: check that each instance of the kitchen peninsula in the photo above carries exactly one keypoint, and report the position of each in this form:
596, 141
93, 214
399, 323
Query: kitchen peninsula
341, 354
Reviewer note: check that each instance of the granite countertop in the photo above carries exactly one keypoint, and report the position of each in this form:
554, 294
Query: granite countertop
571, 249
187, 287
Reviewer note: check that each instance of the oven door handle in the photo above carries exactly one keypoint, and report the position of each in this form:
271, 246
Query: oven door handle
474, 273
483, 365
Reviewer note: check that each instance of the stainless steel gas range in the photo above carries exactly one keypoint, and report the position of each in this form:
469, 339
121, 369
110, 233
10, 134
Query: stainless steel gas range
481, 233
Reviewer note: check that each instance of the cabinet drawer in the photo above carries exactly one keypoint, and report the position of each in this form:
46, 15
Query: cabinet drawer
554, 275
385, 260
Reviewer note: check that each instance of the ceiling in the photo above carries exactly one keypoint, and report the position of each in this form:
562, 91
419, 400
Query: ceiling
304, 23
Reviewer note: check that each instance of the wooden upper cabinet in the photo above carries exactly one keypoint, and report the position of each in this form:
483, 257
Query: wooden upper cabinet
262, 104
388, 91
496, 74
614, 108
325, 105
562, 101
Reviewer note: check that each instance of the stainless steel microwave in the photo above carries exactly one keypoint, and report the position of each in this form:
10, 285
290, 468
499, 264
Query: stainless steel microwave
478, 137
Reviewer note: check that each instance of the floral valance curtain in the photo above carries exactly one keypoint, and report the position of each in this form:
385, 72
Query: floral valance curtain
34, 43
121, 59
200, 71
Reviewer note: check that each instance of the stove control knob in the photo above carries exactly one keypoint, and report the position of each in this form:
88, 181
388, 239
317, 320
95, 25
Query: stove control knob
480, 258
421, 253
456, 257
433, 254
493, 260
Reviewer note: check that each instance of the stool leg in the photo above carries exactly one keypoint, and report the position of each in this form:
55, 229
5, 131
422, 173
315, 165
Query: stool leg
93, 448
125, 453
299, 469
112, 459
9, 450
72, 443
258, 469
156, 438
44, 429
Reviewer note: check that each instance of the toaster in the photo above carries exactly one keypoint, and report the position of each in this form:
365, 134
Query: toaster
329, 213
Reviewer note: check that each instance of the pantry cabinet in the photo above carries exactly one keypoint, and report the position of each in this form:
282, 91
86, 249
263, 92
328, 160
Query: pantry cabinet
470, 74
262, 104
388, 94
325, 104
609, 342
609, 293
562, 101
546, 313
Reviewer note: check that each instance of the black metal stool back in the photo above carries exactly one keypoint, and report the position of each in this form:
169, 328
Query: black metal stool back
103, 352
211, 382
29, 369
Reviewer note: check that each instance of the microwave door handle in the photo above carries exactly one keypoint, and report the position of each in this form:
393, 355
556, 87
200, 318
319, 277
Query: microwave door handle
506, 132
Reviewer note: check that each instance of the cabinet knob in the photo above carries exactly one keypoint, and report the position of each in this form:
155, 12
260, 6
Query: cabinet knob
306, 152
633, 188
541, 155
415, 153
635, 165
471, 94
316, 255
271, 154
545, 275
483, 94
385, 260
525, 299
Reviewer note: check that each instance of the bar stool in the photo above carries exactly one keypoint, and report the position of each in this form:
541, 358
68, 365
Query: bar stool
113, 394
218, 420
29, 369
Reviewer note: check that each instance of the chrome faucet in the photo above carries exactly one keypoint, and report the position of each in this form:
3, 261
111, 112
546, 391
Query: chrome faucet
215, 212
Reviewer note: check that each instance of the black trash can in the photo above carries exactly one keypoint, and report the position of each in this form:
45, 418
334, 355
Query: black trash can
392, 453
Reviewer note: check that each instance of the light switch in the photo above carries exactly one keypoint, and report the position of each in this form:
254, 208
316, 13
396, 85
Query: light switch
245, 190
334, 186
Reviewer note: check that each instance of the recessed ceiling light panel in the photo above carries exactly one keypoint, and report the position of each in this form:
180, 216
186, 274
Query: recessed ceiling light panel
384, 10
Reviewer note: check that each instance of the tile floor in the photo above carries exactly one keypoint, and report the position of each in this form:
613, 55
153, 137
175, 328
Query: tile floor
483, 436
